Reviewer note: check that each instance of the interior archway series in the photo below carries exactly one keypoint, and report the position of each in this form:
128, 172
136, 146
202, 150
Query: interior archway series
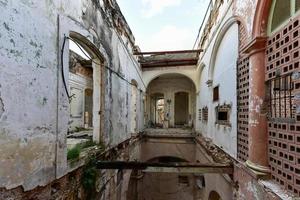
170, 102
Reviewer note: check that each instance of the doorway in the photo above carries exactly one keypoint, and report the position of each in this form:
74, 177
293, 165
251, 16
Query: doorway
157, 109
181, 108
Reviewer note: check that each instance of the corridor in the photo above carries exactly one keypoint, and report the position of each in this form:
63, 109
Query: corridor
150, 100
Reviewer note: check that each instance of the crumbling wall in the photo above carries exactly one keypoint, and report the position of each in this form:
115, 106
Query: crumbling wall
73, 185
34, 107
207, 152
245, 10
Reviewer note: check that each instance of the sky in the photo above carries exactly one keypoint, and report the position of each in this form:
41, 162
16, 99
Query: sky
159, 25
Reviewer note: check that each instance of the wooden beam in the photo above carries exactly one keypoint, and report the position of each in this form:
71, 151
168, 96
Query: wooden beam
155, 61
168, 64
190, 170
167, 52
168, 167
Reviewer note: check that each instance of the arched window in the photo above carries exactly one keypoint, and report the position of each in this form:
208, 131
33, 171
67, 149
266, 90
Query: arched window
281, 11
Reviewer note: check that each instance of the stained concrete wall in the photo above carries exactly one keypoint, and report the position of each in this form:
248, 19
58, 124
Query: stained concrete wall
35, 110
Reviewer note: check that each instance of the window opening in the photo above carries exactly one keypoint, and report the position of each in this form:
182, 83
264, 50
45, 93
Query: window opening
216, 93
222, 114
281, 97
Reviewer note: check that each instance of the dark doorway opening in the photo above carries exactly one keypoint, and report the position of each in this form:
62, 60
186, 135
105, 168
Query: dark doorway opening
181, 108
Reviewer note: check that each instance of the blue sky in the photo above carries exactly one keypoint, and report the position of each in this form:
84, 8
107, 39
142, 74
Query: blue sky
164, 24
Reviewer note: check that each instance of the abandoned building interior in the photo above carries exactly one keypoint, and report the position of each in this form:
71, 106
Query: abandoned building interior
86, 114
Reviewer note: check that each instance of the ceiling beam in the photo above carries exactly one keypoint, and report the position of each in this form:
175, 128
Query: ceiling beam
167, 52
168, 64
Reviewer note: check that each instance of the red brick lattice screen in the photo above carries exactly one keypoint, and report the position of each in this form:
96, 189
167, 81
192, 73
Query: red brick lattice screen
283, 81
243, 108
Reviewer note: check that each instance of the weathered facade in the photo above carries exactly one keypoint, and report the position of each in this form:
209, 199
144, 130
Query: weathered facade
232, 102
34, 103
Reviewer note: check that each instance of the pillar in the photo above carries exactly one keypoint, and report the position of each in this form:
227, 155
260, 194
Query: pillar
258, 133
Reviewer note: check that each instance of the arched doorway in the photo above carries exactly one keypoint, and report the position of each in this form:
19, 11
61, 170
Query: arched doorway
214, 196
83, 83
181, 108
157, 113
172, 93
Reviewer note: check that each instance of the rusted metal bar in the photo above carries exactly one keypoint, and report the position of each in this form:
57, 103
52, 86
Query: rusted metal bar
167, 52
167, 167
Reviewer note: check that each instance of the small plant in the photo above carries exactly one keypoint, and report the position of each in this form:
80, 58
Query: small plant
89, 177
87, 144
74, 152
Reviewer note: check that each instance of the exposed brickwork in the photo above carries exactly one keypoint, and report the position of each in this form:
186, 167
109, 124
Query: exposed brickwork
282, 76
243, 108
67, 188
70, 186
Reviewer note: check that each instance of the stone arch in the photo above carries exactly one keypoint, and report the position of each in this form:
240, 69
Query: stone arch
213, 195
88, 46
260, 23
227, 25
169, 158
149, 78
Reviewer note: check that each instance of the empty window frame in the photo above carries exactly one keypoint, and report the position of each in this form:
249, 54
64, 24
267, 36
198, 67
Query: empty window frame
200, 114
205, 114
216, 93
223, 115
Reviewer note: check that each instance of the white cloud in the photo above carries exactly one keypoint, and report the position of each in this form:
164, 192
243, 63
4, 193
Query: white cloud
155, 7
169, 38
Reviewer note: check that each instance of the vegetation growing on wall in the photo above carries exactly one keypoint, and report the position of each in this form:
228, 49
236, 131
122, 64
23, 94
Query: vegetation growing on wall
74, 152
89, 178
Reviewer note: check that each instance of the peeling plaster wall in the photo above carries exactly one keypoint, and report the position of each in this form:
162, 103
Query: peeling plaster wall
33, 103
224, 76
201, 125
221, 69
